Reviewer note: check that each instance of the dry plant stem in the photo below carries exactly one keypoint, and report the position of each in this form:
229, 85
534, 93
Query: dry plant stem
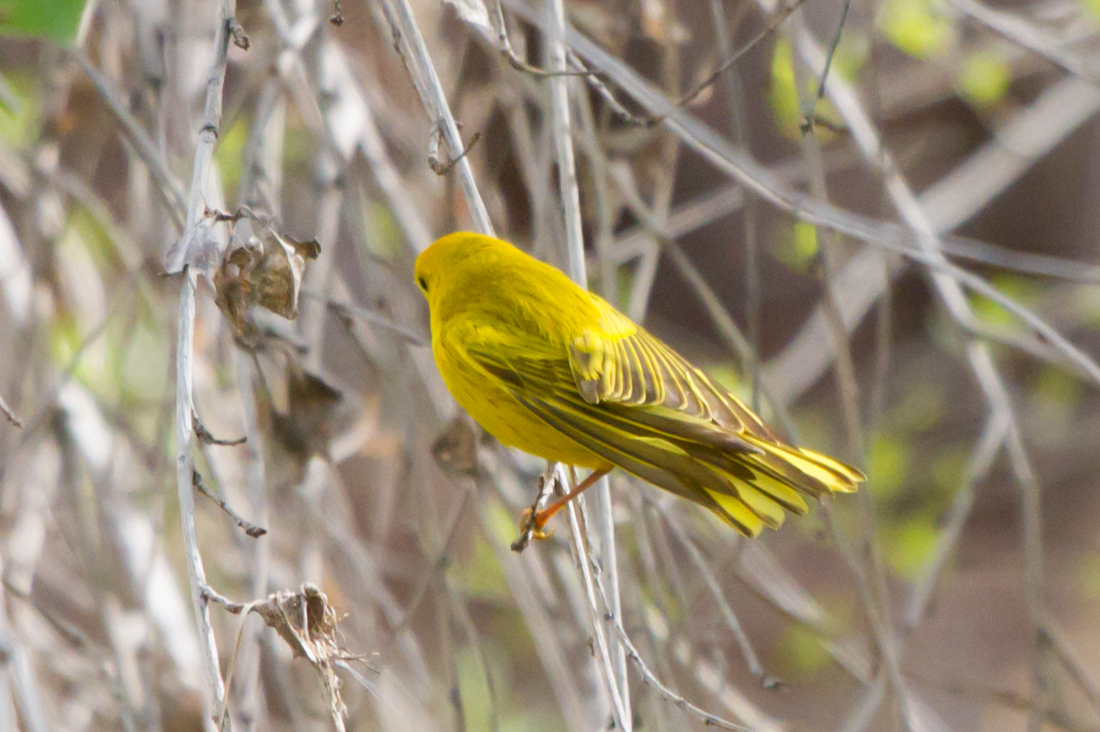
1009, 699
731, 57
167, 185
620, 713
876, 597
562, 131
514, 60
1027, 35
409, 42
204, 436
550, 651
185, 442
981, 360
810, 118
252, 705
953, 200
735, 90
981, 461
1077, 670
711, 581
737, 164
710, 720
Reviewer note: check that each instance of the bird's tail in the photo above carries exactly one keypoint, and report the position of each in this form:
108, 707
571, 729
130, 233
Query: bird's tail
758, 489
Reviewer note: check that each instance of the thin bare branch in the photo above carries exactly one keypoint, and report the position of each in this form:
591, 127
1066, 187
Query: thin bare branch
185, 435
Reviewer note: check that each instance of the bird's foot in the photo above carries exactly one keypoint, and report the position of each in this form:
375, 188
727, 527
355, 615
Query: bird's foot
533, 520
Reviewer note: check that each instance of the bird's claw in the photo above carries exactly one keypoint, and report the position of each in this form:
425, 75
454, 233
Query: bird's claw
529, 522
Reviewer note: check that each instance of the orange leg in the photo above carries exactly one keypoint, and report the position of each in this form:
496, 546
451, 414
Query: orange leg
541, 517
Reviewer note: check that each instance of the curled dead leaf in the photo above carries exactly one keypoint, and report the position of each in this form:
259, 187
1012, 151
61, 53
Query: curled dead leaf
308, 624
264, 271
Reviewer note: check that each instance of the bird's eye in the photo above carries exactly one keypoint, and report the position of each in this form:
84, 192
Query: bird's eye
423, 283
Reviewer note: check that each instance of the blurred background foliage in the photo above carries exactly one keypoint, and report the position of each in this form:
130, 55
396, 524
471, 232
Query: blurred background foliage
960, 590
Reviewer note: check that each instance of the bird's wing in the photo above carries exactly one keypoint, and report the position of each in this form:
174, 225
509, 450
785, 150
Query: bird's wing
619, 362
745, 480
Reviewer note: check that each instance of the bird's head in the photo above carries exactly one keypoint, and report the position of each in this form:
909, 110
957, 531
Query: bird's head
447, 263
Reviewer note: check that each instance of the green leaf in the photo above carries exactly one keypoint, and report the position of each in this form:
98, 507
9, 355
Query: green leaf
984, 78
54, 19
783, 97
801, 653
888, 463
1018, 288
229, 156
799, 250
917, 27
1091, 8
1086, 303
910, 545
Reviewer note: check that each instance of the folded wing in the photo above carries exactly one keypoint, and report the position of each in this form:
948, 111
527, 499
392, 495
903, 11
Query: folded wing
629, 398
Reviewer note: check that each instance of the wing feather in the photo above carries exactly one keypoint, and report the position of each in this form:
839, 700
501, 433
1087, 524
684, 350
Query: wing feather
627, 397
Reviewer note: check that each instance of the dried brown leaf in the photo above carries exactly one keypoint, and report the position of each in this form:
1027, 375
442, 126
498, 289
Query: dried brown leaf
263, 271
308, 624
455, 450
310, 421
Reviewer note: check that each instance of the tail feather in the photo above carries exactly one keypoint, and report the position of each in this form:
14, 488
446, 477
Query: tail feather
748, 481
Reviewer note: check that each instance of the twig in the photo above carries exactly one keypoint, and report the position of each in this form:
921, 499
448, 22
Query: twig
1005, 698
547, 480
1063, 649
737, 104
751, 659
514, 60
1028, 36
184, 361
762, 181
409, 43
249, 528
981, 361
829, 57
240, 38
346, 311
521, 578
208, 439
167, 185
442, 168
732, 60
561, 129
708, 719
605, 664
981, 461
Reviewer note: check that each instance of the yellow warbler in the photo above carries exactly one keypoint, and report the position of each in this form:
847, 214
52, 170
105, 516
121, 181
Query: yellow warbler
556, 371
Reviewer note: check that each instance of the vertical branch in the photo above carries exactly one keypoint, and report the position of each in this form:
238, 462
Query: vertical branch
736, 92
410, 43
570, 200
185, 435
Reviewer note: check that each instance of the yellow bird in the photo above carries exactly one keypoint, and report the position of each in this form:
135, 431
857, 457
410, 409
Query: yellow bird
556, 371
